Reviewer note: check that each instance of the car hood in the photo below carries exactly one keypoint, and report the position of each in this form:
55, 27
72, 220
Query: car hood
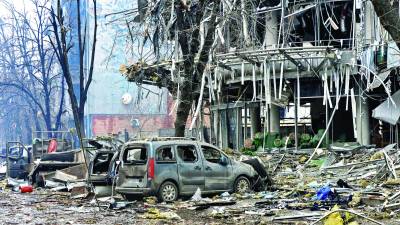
243, 167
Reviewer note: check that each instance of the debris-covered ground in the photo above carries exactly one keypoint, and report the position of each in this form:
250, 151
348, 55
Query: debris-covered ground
356, 185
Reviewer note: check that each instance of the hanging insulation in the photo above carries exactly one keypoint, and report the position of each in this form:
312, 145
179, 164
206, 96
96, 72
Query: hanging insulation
220, 35
211, 87
354, 111
298, 88
281, 81
200, 100
346, 86
178, 93
173, 68
254, 84
267, 88
274, 78
337, 85
242, 73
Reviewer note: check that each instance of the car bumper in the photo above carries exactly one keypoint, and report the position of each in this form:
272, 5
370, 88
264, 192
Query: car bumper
134, 191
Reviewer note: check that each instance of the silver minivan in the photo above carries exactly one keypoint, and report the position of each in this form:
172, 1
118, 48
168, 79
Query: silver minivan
177, 167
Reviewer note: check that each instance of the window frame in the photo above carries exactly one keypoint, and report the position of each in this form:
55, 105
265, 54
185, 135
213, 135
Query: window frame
173, 160
195, 149
222, 154
135, 162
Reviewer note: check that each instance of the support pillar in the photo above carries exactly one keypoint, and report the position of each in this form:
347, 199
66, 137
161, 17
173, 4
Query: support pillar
255, 118
362, 121
271, 27
224, 128
239, 127
274, 119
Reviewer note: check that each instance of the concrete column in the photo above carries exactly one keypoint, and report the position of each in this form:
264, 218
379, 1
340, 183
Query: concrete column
239, 127
362, 121
274, 119
216, 125
271, 29
224, 128
369, 18
255, 118
271, 38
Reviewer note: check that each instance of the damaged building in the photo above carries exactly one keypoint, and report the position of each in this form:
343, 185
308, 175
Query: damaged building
324, 68
296, 74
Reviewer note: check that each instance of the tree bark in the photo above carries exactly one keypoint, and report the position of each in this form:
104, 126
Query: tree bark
192, 71
389, 17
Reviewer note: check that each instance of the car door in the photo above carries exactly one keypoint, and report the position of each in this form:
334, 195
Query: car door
99, 166
217, 173
133, 170
190, 168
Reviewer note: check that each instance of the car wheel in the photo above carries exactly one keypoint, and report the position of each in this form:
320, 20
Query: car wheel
168, 192
39, 182
242, 185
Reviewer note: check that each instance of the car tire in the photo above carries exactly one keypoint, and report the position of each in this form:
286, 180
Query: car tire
168, 192
131, 197
242, 185
39, 182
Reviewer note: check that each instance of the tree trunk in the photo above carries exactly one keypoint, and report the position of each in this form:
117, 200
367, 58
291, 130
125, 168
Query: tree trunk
193, 72
82, 120
389, 17
183, 110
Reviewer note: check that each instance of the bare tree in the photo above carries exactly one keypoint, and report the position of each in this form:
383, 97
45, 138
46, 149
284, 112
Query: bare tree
28, 63
62, 43
191, 28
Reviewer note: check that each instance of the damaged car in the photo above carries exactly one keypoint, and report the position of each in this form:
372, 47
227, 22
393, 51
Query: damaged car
103, 168
170, 168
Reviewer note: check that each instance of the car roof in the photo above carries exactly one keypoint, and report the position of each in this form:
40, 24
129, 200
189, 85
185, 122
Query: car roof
167, 141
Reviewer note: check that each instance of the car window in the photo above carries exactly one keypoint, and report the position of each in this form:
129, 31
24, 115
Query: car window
165, 154
138, 155
101, 163
187, 153
211, 154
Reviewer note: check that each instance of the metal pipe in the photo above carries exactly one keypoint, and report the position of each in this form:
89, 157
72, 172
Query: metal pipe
274, 60
274, 49
296, 114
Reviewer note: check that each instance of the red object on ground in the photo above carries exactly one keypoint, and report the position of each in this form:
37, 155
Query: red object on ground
52, 146
26, 189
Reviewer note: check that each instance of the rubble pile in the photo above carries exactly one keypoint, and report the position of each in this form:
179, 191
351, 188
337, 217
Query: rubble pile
342, 178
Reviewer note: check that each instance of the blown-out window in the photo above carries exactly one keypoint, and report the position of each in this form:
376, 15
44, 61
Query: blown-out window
211, 154
187, 153
135, 155
165, 154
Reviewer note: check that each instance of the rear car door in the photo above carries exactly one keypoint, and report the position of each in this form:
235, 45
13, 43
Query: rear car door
99, 167
133, 170
190, 168
166, 165
217, 175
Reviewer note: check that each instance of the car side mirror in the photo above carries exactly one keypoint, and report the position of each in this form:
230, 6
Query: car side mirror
223, 161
